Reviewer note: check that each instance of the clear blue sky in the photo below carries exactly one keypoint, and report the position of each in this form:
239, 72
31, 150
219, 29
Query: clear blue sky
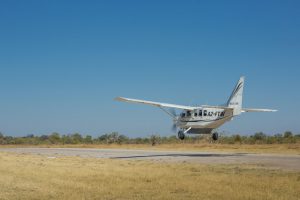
63, 62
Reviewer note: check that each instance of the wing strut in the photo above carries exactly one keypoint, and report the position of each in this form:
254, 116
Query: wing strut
166, 111
187, 130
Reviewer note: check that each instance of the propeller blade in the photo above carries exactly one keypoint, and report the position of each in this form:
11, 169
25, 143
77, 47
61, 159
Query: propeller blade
174, 128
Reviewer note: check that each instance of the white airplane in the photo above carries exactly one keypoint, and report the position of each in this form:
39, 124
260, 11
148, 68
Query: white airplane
203, 119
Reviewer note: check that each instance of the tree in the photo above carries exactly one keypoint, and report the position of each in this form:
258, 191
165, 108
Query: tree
154, 139
9, 140
76, 138
237, 138
54, 138
66, 139
288, 134
259, 136
2, 138
88, 139
113, 137
44, 137
122, 139
29, 136
103, 138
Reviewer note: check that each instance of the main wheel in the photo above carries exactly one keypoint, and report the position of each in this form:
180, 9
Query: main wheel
181, 135
215, 136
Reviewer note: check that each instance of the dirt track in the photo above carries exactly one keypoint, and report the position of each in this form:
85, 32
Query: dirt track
285, 162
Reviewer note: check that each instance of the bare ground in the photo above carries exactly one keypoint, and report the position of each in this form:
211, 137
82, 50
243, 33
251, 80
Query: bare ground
274, 161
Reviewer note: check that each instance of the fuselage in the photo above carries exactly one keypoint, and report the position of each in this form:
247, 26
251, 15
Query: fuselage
204, 119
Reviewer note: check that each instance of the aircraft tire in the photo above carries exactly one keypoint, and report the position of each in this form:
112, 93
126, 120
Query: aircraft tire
215, 136
181, 135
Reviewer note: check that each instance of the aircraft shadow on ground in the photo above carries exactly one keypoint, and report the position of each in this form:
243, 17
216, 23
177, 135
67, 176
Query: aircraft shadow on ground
180, 155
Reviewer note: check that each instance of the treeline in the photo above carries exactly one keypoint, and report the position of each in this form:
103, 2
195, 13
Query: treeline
261, 138
116, 138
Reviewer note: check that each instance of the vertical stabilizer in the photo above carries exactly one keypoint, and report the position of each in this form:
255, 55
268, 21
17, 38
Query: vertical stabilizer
236, 99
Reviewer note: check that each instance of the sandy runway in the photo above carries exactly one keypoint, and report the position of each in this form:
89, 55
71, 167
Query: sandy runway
285, 162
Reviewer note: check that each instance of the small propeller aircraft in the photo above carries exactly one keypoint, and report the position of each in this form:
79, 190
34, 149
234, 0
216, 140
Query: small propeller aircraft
203, 119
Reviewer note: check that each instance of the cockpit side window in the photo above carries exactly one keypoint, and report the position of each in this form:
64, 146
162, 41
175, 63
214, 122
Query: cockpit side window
195, 113
182, 114
204, 112
188, 113
200, 113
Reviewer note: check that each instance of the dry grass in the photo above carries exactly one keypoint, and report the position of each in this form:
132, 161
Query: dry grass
241, 148
37, 177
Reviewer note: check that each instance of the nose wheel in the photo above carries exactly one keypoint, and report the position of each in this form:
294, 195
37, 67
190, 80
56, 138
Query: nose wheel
215, 136
181, 135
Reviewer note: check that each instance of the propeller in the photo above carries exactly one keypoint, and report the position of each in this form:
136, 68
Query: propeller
174, 128
175, 119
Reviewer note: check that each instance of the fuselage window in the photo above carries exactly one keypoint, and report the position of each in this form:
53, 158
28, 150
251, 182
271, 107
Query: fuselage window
200, 113
204, 112
188, 113
195, 114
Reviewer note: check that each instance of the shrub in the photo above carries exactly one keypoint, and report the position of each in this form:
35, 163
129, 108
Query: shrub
288, 134
154, 139
237, 138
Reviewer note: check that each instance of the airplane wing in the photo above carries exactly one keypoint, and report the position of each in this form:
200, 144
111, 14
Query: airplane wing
219, 107
158, 104
257, 110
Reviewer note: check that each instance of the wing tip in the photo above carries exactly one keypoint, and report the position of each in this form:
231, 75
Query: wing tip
119, 99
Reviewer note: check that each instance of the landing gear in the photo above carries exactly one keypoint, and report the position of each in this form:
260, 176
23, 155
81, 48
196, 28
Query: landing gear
215, 136
181, 135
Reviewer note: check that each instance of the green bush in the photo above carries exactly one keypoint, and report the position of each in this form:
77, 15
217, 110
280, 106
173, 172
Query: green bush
116, 138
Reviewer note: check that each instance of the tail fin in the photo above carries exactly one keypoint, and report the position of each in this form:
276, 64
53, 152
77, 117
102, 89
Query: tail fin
236, 99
